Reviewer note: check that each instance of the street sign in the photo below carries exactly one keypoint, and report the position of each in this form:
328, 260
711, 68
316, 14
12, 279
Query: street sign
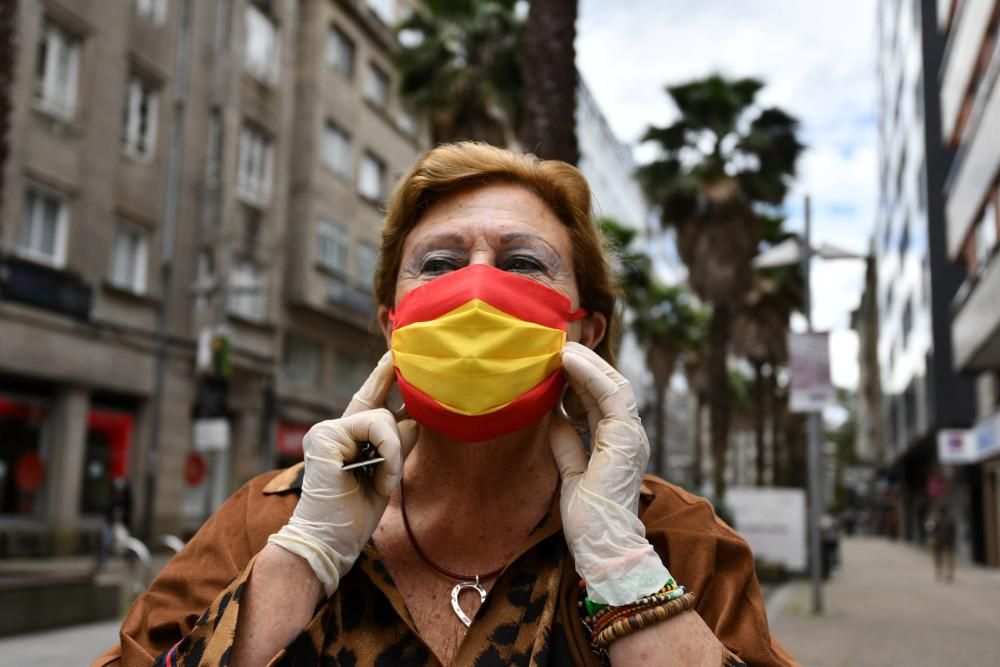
773, 522
195, 468
211, 435
809, 368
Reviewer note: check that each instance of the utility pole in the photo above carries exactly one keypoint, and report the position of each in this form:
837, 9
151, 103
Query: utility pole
176, 139
814, 431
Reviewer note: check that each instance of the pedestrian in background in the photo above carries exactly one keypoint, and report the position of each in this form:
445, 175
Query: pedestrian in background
940, 528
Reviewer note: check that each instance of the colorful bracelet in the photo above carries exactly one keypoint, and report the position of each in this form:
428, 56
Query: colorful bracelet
606, 619
645, 618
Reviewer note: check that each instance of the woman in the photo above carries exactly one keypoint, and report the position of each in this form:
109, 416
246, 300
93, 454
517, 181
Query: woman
486, 536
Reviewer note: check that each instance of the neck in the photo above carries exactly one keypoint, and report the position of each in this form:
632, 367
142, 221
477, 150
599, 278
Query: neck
488, 474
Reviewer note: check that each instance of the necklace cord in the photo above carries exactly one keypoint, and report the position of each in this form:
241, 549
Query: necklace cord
448, 573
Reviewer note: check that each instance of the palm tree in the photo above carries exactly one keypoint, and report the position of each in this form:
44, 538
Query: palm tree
696, 372
663, 318
722, 160
761, 329
459, 65
550, 78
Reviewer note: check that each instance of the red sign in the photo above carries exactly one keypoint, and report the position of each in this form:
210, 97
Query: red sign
29, 472
195, 468
937, 486
289, 438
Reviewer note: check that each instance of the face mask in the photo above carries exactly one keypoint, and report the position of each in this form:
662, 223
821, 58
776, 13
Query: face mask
477, 352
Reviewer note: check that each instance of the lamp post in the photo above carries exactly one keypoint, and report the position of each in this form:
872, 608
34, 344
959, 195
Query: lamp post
788, 253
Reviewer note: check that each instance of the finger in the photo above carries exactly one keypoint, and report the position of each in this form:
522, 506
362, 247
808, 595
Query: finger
379, 428
612, 399
371, 395
567, 448
610, 371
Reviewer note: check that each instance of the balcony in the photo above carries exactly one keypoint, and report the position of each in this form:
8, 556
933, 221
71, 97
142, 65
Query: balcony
975, 324
959, 60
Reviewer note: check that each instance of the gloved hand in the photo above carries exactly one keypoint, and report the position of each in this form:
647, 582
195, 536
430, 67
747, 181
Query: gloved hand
600, 498
337, 512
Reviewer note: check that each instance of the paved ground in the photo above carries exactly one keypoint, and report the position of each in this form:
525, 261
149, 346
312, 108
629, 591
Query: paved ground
884, 608
69, 647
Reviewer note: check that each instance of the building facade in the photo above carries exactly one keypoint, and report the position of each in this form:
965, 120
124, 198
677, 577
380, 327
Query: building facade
188, 234
922, 393
970, 127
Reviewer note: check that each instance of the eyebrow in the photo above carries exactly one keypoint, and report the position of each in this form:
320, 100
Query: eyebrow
513, 237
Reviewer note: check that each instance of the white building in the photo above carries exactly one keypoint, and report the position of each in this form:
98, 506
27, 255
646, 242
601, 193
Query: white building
970, 125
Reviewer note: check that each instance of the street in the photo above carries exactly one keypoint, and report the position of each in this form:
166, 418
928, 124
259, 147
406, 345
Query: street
66, 647
884, 608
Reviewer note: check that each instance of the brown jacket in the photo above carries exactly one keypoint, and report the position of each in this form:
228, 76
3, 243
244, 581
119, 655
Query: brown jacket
701, 551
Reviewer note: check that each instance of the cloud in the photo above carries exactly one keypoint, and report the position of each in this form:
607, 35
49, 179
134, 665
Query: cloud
818, 62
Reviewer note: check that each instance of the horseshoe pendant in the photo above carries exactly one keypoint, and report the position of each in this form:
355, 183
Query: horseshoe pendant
457, 590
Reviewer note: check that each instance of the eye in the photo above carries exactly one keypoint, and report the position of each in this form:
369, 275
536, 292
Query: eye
435, 265
522, 264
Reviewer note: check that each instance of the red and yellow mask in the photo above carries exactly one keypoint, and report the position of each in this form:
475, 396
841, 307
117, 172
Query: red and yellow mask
477, 352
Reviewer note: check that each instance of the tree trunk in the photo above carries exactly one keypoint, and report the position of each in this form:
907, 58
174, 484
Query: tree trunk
699, 404
550, 81
658, 453
776, 419
661, 360
758, 418
718, 400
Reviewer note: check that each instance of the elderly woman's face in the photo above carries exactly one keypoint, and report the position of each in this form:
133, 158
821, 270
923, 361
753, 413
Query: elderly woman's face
505, 226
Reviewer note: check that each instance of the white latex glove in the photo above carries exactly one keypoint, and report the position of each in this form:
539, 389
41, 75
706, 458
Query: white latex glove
337, 511
600, 498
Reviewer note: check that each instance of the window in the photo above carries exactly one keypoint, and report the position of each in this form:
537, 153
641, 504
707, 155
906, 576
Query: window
367, 260
128, 259
385, 10
907, 322
904, 242
406, 122
139, 127
253, 178
371, 178
152, 10
986, 236
922, 186
247, 296
337, 151
377, 86
340, 52
213, 152
331, 246
252, 223
351, 371
303, 361
57, 69
261, 48
43, 227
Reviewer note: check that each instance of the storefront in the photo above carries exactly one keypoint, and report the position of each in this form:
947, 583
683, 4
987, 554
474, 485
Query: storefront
61, 452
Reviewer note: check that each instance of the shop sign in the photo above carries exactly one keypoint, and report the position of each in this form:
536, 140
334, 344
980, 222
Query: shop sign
981, 442
211, 435
289, 439
195, 468
956, 446
809, 368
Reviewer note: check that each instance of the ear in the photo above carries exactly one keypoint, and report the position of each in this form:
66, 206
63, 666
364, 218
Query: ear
385, 325
592, 329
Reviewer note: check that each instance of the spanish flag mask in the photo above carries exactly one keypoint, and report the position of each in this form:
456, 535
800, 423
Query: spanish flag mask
477, 352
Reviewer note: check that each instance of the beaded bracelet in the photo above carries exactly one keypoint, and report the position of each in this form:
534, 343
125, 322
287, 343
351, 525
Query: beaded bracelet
643, 619
614, 614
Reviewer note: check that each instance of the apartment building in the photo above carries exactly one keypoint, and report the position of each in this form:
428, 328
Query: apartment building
916, 283
970, 126
193, 193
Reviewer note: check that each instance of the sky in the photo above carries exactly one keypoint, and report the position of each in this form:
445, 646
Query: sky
818, 62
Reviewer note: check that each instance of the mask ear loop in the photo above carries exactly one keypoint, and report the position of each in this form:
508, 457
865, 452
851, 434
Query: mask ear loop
580, 427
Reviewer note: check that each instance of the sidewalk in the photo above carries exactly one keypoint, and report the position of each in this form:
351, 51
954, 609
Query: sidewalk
65, 647
884, 608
